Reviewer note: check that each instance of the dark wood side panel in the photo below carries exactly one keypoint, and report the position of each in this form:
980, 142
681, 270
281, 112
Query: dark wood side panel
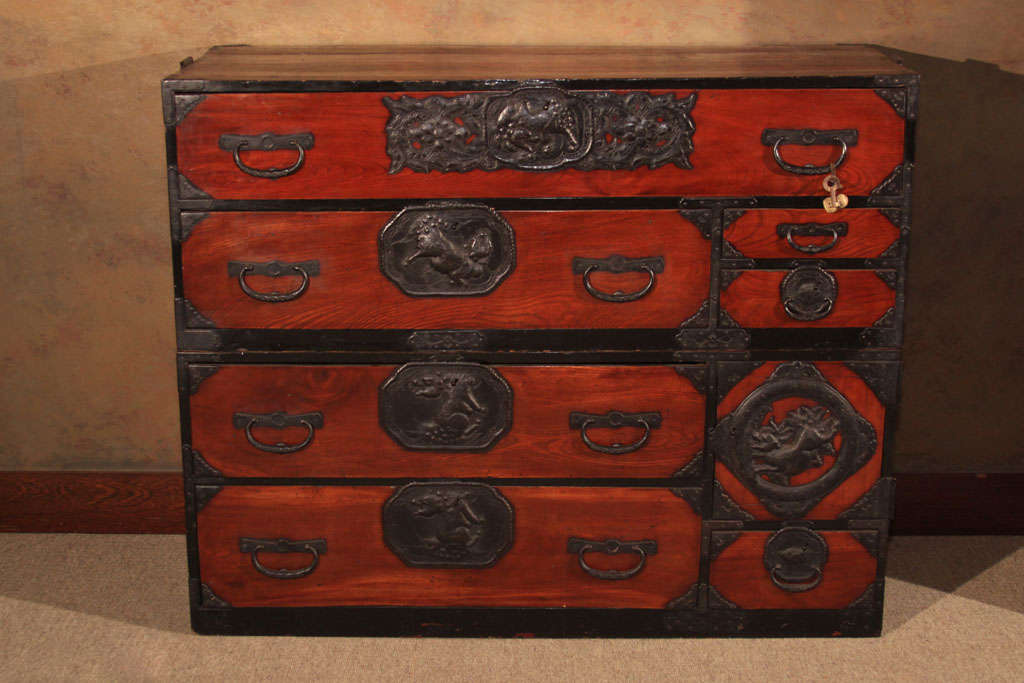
739, 574
358, 569
539, 443
754, 234
350, 159
351, 292
863, 400
753, 300
92, 502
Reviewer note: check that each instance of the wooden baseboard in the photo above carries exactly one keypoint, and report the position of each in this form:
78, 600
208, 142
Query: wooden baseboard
153, 503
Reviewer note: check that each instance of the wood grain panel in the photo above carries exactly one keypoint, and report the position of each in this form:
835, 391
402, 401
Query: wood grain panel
846, 494
539, 443
753, 300
350, 159
754, 233
358, 569
351, 292
740, 576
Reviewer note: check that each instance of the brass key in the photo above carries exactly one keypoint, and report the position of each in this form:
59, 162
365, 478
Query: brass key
835, 200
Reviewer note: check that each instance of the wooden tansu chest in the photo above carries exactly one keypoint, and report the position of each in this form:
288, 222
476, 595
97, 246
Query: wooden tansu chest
553, 342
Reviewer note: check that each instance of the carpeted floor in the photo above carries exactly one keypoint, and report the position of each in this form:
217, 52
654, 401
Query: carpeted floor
113, 608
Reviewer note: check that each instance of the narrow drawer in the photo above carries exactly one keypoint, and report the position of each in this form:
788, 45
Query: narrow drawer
534, 142
447, 544
794, 568
809, 296
809, 233
798, 439
446, 420
445, 266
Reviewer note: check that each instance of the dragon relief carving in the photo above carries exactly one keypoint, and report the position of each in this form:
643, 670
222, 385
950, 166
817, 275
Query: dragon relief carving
447, 524
798, 443
458, 414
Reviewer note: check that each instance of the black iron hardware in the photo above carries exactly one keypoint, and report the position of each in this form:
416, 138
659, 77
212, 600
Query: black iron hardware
766, 455
615, 420
448, 524
315, 547
445, 406
447, 249
303, 269
267, 142
611, 546
833, 230
247, 421
618, 264
808, 293
777, 137
538, 128
795, 558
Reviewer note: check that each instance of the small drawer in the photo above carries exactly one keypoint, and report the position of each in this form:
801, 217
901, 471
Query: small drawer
446, 266
799, 439
446, 544
794, 567
810, 233
809, 296
537, 141
446, 420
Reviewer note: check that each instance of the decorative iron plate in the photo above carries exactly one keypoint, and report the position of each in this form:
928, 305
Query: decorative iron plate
766, 455
445, 406
539, 128
447, 249
795, 557
448, 524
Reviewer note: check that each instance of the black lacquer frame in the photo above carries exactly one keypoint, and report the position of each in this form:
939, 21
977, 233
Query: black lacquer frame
708, 339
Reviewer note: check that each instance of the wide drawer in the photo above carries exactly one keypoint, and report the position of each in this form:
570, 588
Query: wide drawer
446, 544
533, 142
447, 266
810, 233
795, 567
446, 420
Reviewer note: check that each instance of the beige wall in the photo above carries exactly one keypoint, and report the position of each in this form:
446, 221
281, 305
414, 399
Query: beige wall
86, 346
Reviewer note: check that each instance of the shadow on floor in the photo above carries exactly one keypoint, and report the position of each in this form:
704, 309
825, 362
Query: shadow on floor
140, 580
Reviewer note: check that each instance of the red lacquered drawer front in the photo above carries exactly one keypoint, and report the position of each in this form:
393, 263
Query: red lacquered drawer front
542, 290
537, 439
350, 158
797, 575
809, 233
535, 568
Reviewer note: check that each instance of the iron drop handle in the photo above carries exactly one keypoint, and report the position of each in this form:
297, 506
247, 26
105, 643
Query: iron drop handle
304, 269
615, 419
617, 263
311, 421
581, 546
808, 293
777, 137
792, 586
266, 142
315, 547
789, 230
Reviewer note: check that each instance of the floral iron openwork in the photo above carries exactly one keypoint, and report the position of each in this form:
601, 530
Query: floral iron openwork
774, 458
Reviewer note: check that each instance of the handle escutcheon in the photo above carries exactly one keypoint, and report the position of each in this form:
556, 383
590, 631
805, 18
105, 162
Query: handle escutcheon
266, 142
794, 558
617, 263
808, 293
581, 546
247, 421
777, 137
303, 269
791, 230
615, 419
315, 547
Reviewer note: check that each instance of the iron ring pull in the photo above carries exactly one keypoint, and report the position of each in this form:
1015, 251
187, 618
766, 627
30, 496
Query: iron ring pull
253, 546
614, 420
611, 546
809, 169
836, 230
798, 313
796, 586
311, 421
618, 297
273, 297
